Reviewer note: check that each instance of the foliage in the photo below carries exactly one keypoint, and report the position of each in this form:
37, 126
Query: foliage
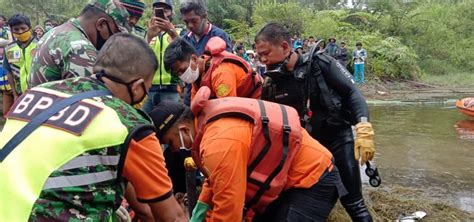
403, 38
392, 59
290, 14
40, 10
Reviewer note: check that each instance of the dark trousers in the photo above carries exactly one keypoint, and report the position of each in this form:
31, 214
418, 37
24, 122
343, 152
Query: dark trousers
341, 145
301, 205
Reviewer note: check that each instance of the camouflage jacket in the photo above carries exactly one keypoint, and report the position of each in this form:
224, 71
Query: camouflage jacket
91, 202
62, 53
4, 33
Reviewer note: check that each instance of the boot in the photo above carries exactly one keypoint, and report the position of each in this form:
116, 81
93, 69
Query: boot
358, 211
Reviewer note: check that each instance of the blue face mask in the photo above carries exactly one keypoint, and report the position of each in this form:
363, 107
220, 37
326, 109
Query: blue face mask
47, 28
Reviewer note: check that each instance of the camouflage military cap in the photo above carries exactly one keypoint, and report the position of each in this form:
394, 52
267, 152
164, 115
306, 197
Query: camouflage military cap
116, 11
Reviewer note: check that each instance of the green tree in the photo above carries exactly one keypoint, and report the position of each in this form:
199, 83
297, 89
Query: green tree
292, 15
39, 10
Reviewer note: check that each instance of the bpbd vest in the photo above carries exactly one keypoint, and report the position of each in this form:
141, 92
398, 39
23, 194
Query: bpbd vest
275, 141
20, 63
55, 146
251, 87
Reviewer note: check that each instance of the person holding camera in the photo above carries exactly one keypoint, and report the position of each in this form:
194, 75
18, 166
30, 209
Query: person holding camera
161, 32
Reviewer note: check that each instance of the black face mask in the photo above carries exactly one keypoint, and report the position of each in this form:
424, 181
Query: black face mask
100, 40
129, 86
278, 70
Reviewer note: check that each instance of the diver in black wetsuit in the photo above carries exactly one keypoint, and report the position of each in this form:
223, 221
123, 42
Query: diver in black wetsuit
325, 89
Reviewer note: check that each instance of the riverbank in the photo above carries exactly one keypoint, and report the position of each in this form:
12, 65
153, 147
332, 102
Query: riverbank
392, 200
389, 203
428, 88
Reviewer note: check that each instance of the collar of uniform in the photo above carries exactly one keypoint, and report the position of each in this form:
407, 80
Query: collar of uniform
207, 31
25, 45
93, 80
75, 22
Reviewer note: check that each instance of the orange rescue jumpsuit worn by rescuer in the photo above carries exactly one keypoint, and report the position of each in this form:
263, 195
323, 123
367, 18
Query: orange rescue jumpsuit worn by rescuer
259, 162
224, 73
219, 64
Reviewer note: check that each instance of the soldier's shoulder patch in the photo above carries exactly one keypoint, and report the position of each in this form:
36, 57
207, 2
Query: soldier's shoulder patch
223, 90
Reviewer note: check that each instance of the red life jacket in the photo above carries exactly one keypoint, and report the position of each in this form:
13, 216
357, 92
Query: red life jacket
251, 87
275, 141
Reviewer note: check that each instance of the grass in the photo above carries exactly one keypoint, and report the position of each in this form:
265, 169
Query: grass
453, 80
387, 204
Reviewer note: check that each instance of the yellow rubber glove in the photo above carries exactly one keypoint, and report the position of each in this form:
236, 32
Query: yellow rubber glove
364, 148
189, 164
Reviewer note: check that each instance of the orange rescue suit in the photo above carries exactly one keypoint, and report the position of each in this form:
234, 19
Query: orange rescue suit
231, 137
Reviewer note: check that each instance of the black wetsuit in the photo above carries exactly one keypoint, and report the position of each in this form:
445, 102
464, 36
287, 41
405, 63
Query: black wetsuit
330, 126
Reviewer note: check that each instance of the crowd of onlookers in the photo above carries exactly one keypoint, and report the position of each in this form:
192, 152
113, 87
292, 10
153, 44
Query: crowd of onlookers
38, 31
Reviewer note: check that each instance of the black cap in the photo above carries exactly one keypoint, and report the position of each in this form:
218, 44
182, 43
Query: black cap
164, 115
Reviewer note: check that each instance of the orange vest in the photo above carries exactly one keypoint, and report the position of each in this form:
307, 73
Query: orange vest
215, 52
275, 141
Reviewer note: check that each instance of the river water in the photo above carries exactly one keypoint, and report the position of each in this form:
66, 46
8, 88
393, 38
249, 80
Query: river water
426, 147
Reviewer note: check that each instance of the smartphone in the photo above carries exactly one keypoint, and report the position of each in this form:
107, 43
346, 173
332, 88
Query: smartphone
160, 13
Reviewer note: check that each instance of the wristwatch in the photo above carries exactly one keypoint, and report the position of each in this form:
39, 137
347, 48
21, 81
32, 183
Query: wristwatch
363, 119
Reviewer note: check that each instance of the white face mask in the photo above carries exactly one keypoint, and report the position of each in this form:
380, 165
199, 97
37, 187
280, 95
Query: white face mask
190, 75
183, 147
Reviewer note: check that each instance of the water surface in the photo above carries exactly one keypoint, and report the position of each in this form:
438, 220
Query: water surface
426, 147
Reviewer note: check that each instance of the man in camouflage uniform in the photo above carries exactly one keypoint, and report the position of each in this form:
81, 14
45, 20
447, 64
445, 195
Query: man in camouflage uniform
112, 144
70, 50
135, 8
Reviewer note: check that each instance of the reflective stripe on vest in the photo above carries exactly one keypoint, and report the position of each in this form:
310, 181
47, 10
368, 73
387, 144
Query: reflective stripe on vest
79, 180
26, 170
87, 161
15, 70
4, 85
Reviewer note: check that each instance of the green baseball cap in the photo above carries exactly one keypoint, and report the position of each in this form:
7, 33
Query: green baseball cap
116, 11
